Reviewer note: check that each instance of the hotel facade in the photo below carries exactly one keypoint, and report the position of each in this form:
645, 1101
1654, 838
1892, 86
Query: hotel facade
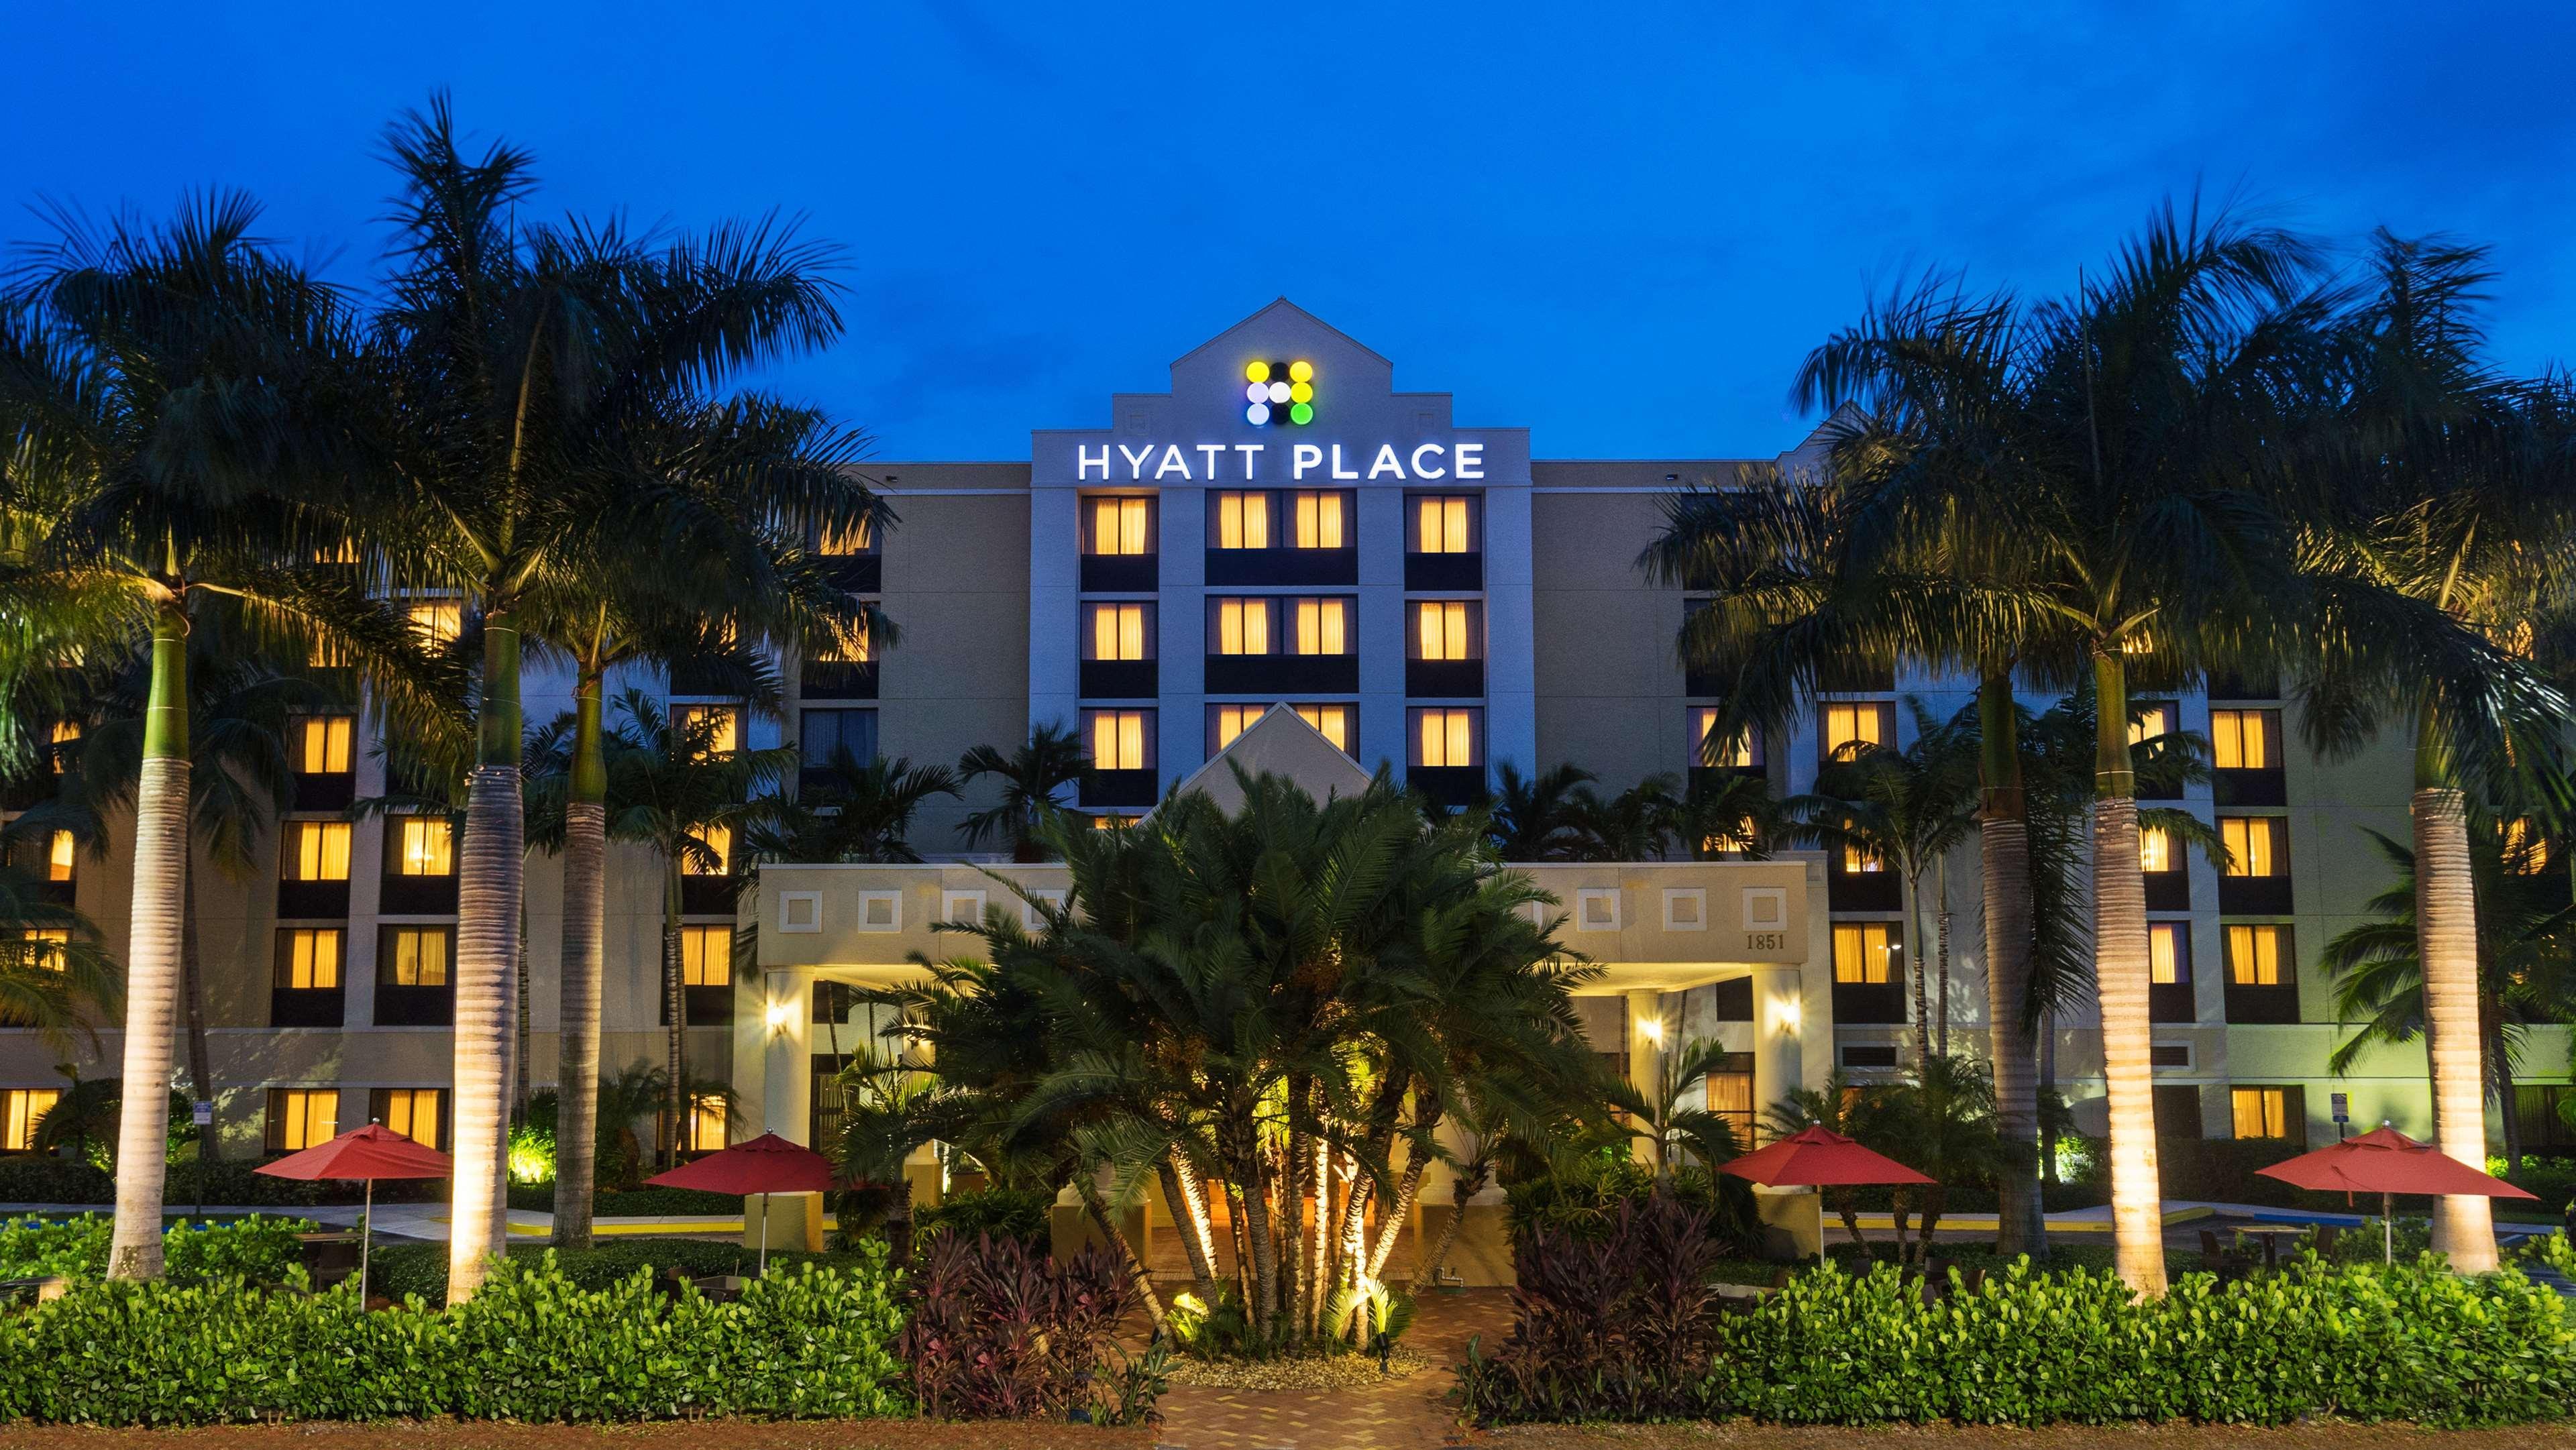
1285, 527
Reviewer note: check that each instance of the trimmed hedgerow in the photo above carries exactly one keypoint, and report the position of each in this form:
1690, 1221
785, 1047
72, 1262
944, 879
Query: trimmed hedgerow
257, 1248
530, 1346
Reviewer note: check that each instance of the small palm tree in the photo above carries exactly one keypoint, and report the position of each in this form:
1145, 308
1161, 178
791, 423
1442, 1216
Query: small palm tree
1673, 1115
1940, 1122
1034, 778
1837, 1105
853, 810
1540, 817
1637, 824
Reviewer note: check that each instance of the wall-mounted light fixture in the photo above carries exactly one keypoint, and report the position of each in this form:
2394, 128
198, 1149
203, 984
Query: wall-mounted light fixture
1652, 1029
1787, 1011
777, 1016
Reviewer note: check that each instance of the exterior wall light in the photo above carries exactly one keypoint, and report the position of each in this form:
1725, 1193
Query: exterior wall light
1652, 1029
777, 1016
1788, 1011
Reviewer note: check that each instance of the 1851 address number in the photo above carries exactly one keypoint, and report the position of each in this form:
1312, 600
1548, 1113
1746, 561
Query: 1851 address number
1766, 941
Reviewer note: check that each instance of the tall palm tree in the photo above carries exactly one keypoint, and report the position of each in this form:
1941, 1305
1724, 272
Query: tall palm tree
1034, 779
179, 401
2441, 521
503, 349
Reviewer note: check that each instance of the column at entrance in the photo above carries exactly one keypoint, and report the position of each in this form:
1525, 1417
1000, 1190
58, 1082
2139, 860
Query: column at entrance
1647, 1030
787, 1053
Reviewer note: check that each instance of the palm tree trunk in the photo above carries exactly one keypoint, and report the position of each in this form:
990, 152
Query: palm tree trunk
1089, 1192
1318, 1252
2446, 931
490, 888
201, 1072
1256, 1225
1189, 1214
2003, 837
1922, 997
585, 915
2502, 1065
675, 1011
152, 962
1407, 1189
1461, 1188
2120, 969
1941, 884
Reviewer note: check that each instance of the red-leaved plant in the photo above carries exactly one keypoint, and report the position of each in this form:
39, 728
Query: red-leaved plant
1001, 1331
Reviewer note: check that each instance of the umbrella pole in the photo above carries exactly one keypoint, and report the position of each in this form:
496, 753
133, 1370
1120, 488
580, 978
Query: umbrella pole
1820, 1225
764, 1236
2388, 1229
366, 1239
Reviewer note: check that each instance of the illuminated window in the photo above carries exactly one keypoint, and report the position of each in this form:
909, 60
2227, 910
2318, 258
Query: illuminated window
2245, 739
845, 647
1334, 721
2149, 721
706, 956
1441, 524
1742, 751
67, 733
46, 944
1448, 629
322, 744
60, 856
707, 1128
2526, 851
718, 858
21, 1109
1120, 739
2168, 953
300, 1118
414, 956
1851, 729
315, 851
2256, 845
1728, 842
326, 654
1323, 626
1319, 520
1118, 632
1121, 526
308, 959
1730, 1094
1242, 626
1113, 822
439, 621
343, 552
1242, 520
706, 731
412, 1112
1865, 952
1226, 722
2156, 849
858, 538
424, 846
2260, 1112
1447, 739
1858, 861
2259, 956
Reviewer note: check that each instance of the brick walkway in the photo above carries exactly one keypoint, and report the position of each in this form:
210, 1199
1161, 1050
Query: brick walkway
1403, 1414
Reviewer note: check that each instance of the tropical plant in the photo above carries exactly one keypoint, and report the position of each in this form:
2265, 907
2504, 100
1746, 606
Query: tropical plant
1538, 817
1837, 1105
852, 810
1033, 779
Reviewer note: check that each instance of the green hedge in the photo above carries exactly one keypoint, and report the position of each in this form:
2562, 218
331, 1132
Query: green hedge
232, 1183
400, 1269
256, 1248
628, 1203
531, 1345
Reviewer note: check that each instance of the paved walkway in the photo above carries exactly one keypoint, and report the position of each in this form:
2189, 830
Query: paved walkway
1403, 1414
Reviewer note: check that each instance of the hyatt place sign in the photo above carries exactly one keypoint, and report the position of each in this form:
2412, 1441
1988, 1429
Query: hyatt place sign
1243, 462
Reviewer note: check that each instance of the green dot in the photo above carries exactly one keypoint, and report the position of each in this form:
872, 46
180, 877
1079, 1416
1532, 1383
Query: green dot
1301, 412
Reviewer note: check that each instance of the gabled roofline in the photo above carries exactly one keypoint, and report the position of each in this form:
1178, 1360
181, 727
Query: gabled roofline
1273, 306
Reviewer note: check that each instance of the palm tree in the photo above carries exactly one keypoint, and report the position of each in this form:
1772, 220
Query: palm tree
520, 362
1837, 1105
1637, 824
2439, 529
1034, 778
2526, 962
1906, 808
853, 810
178, 397
1940, 1122
1540, 817
1674, 1112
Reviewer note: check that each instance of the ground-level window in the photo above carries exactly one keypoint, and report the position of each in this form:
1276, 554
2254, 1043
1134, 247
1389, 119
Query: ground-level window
21, 1109
416, 1113
1730, 1095
706, 956
2269, 1112
300, 1118
707, 1125
1865, 952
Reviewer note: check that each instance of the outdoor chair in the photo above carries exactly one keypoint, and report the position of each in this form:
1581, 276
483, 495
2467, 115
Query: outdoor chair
328, 1258
1971, 1281
2225, 1263
2324, 1242
37, 1289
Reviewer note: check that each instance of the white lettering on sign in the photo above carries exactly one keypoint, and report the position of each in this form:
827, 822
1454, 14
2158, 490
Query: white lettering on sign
1420, 468
1471, 460
1172, 462
1303, 457
1338, 470
1385, 463
1213, 452
1148, 463
1135, 458
1247, 450
1082, 461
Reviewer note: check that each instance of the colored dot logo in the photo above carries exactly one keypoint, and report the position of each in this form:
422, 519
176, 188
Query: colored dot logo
1277, 392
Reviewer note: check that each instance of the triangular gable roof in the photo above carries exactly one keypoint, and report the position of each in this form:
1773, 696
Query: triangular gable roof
1281, 742
1260, 313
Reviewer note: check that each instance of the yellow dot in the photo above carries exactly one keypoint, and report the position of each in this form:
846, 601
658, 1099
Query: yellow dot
1301, 392
1301, 371
1256, 372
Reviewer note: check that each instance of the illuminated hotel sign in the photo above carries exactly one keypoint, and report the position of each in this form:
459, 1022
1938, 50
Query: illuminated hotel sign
1279, 393
1242, 462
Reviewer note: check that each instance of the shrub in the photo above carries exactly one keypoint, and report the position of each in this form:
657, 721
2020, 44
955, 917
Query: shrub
530, 1346
2553, 1179
629, 1202
1000, 1331
1584, 1199
256, 1248
1022, 1214
231, 1182
401, 1269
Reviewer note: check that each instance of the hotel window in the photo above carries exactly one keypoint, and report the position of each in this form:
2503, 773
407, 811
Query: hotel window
2256, 845
424, 846
821, 735
858, 538
2526, 850
2156, 849
1119, 526
1851, 729
308, 959
2259, 956
1448, 629
1242, 626
1730, 1095
21, 1109
706, 956
67, 733
845, 647
2169, 954
1865, 953
1441, 524
300, 1118
1323, 626
716, 859
1225, 722
706, 731
322, 744
1334, 721
2245, 739
1118, 632
2269, 1112
1119, 739
315, 851
47, 944
1241, 520
2149, 721
1859, 861
414, 956
1447, 739
439, 621
1320, 519
412, 1112
61, 856
707, 1128
1742, 751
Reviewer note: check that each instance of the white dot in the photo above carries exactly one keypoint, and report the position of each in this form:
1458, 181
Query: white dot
1257, 414
1279, 392
1256, 392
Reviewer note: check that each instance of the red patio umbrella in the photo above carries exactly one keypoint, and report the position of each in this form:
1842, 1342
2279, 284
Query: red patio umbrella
767, 1164
362, 1155
2387, 1162
1817, 1157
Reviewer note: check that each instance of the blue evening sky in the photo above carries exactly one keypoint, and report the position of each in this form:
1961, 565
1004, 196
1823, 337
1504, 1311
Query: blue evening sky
1621, 225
